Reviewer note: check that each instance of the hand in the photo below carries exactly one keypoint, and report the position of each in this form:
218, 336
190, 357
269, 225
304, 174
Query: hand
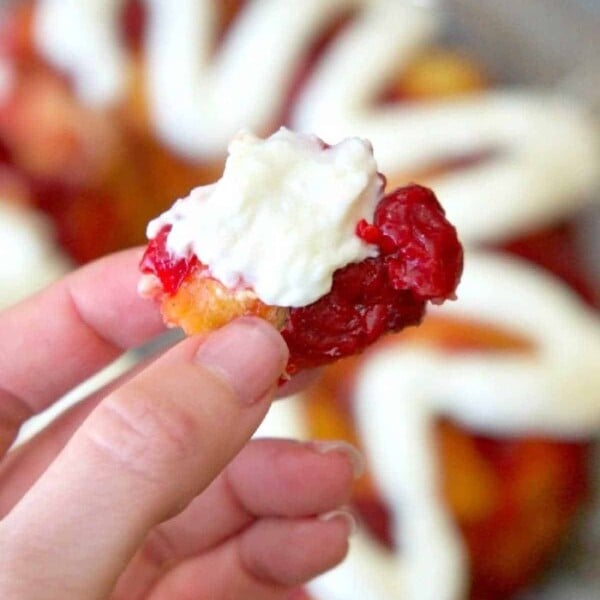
150, 488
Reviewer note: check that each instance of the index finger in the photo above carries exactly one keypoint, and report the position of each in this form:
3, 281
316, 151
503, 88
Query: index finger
143, 454
66, 333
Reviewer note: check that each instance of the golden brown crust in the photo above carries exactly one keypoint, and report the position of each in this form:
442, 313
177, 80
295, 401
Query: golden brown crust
202, 304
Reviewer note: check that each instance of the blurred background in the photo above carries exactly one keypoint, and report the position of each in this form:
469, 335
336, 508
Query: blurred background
110, 110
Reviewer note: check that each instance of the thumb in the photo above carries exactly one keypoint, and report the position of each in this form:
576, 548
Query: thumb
140, 457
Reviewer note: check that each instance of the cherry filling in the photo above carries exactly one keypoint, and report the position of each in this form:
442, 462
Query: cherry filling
420, 259
158, 261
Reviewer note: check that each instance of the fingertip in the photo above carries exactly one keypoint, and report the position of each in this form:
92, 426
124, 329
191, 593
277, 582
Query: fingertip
268, 331
344, 518
289, 478
350, 453
105, 293
248, 353
290, 552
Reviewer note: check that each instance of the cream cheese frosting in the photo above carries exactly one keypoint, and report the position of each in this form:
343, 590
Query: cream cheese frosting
283, 216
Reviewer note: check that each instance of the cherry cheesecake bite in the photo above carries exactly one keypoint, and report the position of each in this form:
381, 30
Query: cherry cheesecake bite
304, 235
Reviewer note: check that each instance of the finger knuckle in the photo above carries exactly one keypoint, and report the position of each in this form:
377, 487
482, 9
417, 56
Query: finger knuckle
144, 434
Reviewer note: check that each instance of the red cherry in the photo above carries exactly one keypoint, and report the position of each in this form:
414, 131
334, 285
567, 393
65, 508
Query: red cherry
421, 259
158, 261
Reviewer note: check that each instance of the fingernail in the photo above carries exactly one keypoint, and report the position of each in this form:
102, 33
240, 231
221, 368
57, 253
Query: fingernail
248, 353
356, 459
343, 514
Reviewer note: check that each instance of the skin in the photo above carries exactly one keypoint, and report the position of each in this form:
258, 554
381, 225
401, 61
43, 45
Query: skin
151, 488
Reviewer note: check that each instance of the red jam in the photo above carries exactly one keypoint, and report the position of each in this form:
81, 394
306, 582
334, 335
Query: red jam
421, 259
158, 261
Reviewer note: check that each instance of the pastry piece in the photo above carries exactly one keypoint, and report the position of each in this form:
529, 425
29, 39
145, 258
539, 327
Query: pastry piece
302, 234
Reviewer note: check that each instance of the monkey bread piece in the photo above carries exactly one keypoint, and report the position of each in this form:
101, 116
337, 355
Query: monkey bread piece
301, 234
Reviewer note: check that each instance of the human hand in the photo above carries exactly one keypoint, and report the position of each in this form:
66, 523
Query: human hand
150, 488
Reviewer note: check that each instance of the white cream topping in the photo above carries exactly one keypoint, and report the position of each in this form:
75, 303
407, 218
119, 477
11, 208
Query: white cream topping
402, 390
29, 256
198, 101
283, 216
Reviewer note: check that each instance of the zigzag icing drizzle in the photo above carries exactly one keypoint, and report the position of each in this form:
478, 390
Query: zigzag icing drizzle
198, 102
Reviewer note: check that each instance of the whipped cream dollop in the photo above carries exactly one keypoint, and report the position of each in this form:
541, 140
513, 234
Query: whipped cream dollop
282, 219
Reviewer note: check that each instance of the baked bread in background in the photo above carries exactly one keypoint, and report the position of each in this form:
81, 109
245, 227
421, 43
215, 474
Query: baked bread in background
101, 145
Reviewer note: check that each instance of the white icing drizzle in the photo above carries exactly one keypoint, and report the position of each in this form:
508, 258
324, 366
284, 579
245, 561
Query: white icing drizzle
531, 182
82, 38
30, 259
401, 391
554, 391
198, 104
199, 101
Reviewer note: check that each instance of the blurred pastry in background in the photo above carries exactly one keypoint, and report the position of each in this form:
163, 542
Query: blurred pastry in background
109, 109
477, 428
